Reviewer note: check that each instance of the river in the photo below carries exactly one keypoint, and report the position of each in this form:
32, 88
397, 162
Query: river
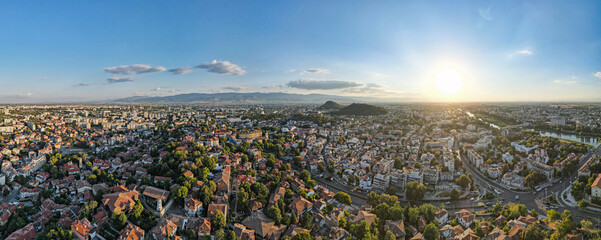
490, 124
593, 141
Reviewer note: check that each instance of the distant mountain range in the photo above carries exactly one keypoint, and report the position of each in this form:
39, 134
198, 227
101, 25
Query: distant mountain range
244, 98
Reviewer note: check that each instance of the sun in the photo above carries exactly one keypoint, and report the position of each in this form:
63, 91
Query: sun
449, 82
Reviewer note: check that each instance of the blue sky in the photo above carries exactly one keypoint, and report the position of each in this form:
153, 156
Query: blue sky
502, 50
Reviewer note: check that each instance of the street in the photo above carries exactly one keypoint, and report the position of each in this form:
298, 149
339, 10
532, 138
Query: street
528, 198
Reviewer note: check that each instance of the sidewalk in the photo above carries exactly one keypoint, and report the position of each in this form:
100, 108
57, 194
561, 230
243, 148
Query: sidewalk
570, 201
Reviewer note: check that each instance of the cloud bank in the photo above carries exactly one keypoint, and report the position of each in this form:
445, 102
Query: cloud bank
317, 71
236, 88
119, 80
135, 68
311, 84
82, 85
565, 82
222, 67
182, 70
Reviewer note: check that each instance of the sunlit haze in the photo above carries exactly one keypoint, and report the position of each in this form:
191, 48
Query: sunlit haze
448, 82
300, 119
387, 51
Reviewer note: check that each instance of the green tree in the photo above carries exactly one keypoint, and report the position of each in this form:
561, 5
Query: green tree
297, 161
431, 232
412, 216
181, 192
242, 199
553, 215
389, 236
534, 213
382, 211
220, 234
588, 225
119, 220
306, 220
305, 176
463, 181
218, 220
231, 235
534, 232
415, 191
260, 191
302, 236
59, 234
274, 213
343, 197
455, 194
533, 178
137, 210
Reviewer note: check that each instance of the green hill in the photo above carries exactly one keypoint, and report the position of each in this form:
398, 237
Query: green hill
331, 105
360, 109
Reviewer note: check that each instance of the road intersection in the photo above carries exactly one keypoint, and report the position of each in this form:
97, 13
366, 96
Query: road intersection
533, 200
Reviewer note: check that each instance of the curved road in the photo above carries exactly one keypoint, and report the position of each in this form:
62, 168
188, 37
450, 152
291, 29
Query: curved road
532, 199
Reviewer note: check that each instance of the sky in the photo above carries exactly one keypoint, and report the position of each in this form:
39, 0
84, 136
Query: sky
53, 51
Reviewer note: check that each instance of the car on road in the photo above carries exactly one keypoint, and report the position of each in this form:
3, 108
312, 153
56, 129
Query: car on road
448, 203
517, 197
471, 199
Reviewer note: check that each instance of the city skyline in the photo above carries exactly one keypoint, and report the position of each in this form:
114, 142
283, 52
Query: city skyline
393, 51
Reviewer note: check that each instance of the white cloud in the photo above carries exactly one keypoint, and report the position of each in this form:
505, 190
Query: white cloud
316, 71
135, 68
119, 80
82, 85
565, 82
236, 88
273, 86
24, 94
312, 84
182, 70
485, 13
222, 67
379, 91
160, 88
290, 70
523, 52
597, 74
366, 88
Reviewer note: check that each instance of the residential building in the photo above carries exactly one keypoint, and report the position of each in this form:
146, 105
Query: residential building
596, 187
465, 217
474, 158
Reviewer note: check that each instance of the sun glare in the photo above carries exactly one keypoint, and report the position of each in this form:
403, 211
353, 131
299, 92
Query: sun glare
449, 82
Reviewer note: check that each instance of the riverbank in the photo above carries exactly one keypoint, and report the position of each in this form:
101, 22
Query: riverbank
494, 119
592, 141
567, 132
